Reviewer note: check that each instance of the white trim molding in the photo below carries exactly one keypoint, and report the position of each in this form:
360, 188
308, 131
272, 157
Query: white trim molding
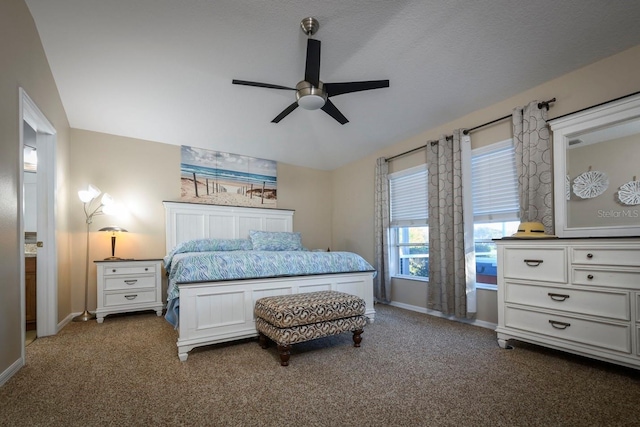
423, 310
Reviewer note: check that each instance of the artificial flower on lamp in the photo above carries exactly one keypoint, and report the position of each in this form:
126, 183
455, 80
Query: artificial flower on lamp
92, 207
113, 229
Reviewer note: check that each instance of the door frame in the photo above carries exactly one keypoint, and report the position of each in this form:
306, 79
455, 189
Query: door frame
47, 259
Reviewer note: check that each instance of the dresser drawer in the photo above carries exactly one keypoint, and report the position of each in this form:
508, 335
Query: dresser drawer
547, 264
610, 336
608, 278
133, 270
129, 282
129, 298
613, 305
605, 256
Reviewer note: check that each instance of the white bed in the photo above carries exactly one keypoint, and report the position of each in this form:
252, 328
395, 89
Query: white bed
215, 312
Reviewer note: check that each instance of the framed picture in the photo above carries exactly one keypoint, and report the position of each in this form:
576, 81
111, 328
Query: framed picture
219, 178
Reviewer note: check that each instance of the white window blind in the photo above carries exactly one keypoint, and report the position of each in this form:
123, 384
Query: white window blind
495, 183
408, 197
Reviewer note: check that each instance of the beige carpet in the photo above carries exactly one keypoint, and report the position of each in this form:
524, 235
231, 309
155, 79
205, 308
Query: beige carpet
412, 370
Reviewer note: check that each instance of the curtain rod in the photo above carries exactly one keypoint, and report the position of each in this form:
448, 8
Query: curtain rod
388, 159
543, 104
597, 105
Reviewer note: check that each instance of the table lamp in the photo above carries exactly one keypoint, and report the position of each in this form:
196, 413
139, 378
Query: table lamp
113, 229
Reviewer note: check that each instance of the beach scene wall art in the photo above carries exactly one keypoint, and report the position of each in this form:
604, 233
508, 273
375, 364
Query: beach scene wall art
219, 178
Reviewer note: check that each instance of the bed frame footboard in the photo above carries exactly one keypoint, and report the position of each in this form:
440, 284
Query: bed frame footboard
216, 312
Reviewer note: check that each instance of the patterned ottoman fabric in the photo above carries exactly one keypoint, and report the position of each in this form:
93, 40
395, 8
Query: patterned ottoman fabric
287, 311
302, 333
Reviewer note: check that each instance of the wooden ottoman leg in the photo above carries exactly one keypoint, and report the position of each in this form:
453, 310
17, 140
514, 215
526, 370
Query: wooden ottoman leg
285, 353
262, 340
357, 339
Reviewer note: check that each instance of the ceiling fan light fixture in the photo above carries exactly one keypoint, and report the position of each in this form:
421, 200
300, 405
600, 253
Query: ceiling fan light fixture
310, 97
311, 102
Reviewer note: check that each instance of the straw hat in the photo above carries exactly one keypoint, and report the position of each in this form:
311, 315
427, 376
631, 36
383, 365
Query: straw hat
531, 230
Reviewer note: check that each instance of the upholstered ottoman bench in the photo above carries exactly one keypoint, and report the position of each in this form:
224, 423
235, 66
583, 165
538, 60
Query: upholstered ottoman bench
292, 319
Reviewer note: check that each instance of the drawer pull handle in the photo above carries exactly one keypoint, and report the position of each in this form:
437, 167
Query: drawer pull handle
533, 262
590, 276
589, 256
130, 297
131, 281
558, 297
113, 271
559, 325
146, 269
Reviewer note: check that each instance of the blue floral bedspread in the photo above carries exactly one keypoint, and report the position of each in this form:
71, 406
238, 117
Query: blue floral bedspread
251, 264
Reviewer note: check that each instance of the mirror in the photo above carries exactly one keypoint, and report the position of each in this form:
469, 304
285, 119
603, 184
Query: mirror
596, 170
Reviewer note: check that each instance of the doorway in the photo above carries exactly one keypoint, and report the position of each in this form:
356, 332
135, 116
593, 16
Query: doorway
37, 131
29, 212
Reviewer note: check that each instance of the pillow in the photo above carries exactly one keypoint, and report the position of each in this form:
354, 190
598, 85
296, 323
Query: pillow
275, 240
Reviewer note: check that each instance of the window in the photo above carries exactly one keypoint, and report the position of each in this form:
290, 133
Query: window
496, 204
409, 234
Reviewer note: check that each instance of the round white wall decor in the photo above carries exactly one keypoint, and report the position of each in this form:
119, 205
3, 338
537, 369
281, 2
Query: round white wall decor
629, 193
590, 184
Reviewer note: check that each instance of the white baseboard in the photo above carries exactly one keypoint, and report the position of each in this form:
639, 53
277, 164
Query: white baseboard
65, 321
11, 371
423, 310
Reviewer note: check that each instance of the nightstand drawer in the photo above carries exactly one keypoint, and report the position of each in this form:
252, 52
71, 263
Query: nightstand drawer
547, 264
129, 282
133, 270
129, 298
128, 285
613, 305
601, 334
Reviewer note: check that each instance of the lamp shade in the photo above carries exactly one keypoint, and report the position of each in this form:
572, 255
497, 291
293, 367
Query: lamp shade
89, 194
113, 228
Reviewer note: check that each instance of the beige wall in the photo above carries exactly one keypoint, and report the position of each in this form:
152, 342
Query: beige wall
140, 175
24, 65
308, 192
353, 184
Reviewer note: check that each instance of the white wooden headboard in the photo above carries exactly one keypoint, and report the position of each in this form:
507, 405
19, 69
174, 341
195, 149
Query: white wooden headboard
186, 221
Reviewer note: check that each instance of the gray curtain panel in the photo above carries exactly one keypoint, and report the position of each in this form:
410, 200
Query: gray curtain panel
447, 289
382, 281
533, 159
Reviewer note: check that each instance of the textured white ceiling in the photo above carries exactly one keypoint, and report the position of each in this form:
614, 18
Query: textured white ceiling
161, 70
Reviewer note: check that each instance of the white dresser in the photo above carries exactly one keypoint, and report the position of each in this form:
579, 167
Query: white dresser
129, 285
577, 295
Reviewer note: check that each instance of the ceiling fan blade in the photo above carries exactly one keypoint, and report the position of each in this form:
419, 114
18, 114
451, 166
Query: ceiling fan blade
256, 84
334, 89
333, 111
285, 113
312, 68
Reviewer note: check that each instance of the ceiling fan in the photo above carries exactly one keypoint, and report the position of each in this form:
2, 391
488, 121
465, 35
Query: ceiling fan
311, 93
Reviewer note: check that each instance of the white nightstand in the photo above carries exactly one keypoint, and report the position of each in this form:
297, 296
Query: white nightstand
129, 285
